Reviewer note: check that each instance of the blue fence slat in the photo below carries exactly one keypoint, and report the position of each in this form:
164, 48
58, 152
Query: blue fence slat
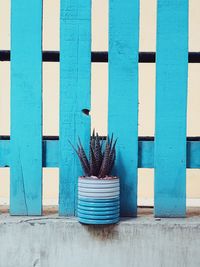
171, 98
123, 96
75, 69
26, 107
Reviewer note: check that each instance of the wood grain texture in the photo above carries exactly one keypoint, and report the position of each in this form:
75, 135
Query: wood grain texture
75, 69
26, 107
123, 96
145, 154
171, 105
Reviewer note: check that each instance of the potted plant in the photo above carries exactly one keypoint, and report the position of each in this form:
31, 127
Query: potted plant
98, 190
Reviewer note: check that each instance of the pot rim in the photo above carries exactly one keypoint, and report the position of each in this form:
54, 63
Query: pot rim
95, 178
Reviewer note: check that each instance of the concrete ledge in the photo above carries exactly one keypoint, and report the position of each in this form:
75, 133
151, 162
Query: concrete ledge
52, 241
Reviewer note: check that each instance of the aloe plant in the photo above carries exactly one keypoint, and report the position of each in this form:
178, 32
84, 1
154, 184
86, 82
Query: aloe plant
101, 158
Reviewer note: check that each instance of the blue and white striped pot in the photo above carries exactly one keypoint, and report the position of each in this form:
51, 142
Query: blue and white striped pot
98, 200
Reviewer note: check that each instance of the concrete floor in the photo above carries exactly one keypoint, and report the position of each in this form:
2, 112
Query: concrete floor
53, 241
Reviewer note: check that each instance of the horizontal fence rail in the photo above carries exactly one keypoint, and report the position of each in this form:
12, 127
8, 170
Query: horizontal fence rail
50, 147
101, 56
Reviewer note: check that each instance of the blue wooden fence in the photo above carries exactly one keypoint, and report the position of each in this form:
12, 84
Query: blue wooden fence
26, 152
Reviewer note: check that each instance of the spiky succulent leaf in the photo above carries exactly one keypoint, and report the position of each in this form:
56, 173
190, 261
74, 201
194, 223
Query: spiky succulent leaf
98, 153
84, 165
112, 156
82, 157
101, 144
112, 161
105, 163
101, 157
92, 143
93, 164
112, 149
111, 141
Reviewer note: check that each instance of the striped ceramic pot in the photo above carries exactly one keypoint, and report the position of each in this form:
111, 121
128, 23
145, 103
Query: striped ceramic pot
98, 200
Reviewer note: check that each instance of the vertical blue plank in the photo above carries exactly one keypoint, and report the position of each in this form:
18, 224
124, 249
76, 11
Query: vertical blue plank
171, 105
75, 71
123, 96
26, 108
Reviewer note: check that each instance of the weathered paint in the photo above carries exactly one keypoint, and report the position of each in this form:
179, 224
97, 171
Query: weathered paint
123, 96
24, 152
51, 241
171, 98
145, 154
26, 107
75, 69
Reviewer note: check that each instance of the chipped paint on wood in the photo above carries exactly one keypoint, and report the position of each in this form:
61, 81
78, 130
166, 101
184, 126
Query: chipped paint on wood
171, 106
75, 69
26, 107
145, 154
123, 96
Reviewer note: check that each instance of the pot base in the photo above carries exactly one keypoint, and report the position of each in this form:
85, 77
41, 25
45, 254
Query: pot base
88, 221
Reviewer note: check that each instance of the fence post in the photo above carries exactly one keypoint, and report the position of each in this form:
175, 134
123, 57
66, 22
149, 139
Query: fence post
75, 69
171, 105
123, 96
26, 107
